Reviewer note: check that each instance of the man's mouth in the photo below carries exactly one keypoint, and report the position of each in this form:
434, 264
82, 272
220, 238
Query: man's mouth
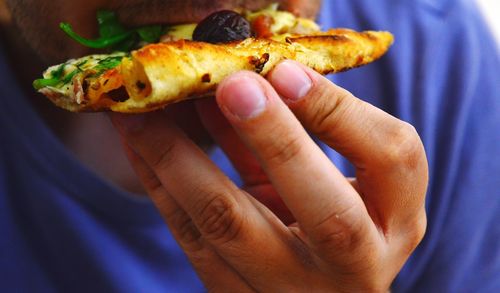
175, 14
219, 27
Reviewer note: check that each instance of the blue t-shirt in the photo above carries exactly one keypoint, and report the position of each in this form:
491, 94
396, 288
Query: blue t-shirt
65, 229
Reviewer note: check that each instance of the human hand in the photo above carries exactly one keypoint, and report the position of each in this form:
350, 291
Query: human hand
320, 231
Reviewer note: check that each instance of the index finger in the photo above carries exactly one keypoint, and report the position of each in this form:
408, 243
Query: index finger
323, 202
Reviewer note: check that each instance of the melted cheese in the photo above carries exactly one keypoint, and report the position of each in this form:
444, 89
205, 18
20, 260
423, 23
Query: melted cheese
183, 31
285, 22
81, 65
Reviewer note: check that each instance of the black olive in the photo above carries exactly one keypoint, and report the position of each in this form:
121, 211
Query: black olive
222, 27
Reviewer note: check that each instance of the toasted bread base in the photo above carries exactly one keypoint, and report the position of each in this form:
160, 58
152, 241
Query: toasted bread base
160, 74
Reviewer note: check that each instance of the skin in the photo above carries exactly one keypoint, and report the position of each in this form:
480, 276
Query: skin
297, 224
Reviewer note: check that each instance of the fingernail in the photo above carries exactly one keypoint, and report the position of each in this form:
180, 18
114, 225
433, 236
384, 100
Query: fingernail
290, 81
128, 122
243, 97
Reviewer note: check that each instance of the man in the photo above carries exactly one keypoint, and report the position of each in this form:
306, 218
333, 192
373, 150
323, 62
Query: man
67, 228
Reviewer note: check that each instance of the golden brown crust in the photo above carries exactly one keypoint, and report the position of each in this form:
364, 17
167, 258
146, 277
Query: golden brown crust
161, 74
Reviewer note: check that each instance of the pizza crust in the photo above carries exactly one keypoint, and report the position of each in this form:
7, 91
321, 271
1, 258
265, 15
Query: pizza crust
160, 74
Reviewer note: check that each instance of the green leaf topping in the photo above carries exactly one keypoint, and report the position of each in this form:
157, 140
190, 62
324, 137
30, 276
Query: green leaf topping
70, 76
150, 34
55, 78
58, 72
108, 24
113, 35
99, 43
109, 63
45, 82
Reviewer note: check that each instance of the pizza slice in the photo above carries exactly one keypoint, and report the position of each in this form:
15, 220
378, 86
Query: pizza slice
179, 68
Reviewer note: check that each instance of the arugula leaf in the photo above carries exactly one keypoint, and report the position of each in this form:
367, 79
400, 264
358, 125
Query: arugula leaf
109, 25
70, 76
112, 34
109, 63
58, 72
99, 43
150, 34
44, 82
55, 78
126, 45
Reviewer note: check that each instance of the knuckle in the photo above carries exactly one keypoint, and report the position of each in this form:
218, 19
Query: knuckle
184, 227
218, 219
282, 151
330, 109
404, 147
339, 237
151, 183
416, 233
339, 232
163, 154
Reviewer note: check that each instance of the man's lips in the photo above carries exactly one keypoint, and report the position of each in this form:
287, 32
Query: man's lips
144, 18
159, 15
172, 12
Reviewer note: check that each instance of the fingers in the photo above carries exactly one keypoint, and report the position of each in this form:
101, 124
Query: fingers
183, 229
387, 153
184, 171
203, 258
224, 216
322, 200
243, 160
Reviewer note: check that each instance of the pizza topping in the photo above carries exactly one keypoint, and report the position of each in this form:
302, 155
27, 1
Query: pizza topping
262, 26
222, 27
259, 62
113, 35
66, 77
119, 95
179, 32
99, 43
140, 85
108, 63
98, 79
51, 79
219, 27
275, 23
206, 78
282, 22
150, 34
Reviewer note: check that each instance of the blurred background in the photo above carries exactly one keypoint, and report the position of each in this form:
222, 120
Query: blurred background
491, 11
